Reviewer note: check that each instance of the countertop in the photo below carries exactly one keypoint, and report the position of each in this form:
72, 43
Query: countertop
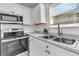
73, 48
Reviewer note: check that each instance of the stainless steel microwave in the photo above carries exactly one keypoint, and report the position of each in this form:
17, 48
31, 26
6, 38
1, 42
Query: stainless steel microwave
9, 17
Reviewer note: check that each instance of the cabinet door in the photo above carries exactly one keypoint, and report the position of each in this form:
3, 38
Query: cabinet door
32, 46
7, 7
33, 14
36, 14
18, 10
43, 13
42, 48
37, 47
57, 51
39, 14
27, 16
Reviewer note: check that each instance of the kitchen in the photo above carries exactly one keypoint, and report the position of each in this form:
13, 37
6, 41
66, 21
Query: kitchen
39, 29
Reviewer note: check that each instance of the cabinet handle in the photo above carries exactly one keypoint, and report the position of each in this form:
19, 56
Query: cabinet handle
47, 46
46, 51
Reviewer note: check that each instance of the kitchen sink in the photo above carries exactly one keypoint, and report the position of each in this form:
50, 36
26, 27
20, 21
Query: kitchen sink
64, 40
48, 36
59, 39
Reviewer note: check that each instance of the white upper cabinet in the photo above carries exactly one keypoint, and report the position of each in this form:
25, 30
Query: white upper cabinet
11, 8
18, 10
27, 16
25, 12
38, 14
7, 7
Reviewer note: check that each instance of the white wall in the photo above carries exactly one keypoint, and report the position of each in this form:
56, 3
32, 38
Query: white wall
39, 27
70, 30
28, 29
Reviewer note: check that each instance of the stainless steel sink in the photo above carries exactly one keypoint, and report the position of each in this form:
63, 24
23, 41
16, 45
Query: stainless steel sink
64, 40
59, 39
48, 36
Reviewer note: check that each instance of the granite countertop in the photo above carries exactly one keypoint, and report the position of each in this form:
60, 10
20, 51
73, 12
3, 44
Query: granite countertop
65, 46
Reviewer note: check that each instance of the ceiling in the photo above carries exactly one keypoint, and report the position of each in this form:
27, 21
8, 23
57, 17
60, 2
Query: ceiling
31, 5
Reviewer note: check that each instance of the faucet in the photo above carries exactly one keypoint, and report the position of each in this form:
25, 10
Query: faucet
60, 33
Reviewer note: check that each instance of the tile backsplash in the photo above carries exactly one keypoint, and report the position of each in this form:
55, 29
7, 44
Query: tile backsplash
68, 30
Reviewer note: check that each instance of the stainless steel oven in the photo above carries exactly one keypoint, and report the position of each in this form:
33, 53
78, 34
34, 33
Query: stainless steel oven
15, 47
13, 42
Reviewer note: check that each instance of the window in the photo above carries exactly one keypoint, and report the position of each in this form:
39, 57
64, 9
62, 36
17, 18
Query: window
65, 13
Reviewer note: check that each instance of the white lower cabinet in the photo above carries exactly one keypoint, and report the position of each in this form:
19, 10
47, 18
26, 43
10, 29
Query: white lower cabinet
40, 48
57, 51
37, 47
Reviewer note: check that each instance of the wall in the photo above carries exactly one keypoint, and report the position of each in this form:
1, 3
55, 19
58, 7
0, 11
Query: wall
28, 29
70, 30
25, 28
39, 27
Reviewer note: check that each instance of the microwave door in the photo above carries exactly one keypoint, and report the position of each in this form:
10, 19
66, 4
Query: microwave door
9, 18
